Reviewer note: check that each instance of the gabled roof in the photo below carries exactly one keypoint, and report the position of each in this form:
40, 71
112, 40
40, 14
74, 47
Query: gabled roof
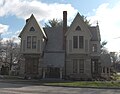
55, 38
29, 21
95, 33
105, 60
78, 18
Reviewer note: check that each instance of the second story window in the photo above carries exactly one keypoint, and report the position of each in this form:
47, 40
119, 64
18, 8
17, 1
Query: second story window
75, 41
81, 42
34, 39
31, 42
78, 42
28, 42
94, 48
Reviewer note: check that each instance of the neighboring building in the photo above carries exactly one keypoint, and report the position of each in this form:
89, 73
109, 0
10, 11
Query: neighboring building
106, 65
58, 52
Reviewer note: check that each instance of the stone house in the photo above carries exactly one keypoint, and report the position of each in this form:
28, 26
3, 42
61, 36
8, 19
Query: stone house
59, 52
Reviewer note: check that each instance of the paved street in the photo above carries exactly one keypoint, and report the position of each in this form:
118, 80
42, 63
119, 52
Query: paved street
8, 88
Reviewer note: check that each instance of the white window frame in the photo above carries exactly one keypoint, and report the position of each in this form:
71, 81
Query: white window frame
78, 42
78, 68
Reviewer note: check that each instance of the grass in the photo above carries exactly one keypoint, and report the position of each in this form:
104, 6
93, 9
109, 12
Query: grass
111, 84
87, 84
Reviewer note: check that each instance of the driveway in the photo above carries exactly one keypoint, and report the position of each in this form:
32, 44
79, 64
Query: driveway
9, 88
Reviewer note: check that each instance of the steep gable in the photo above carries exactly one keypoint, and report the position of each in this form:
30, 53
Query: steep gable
78, 24
32, 24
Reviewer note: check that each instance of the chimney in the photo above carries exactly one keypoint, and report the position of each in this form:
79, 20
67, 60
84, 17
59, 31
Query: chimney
27, 20
64, 28
64, 22
64, 38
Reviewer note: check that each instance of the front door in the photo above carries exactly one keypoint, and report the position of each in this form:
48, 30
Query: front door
31, 66
53, 72
95, 67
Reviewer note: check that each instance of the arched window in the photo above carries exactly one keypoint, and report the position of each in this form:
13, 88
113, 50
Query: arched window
78, 28
32, 29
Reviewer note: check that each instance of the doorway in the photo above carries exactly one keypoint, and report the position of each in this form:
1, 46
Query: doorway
53, 72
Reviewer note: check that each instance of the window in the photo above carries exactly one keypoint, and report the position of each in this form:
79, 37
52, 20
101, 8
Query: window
107, 70
74, 65
78, 42
34, 42
81, 66
103, 69
94, 48
78, 65
28, 66
23, 45
32, 29
93, 66
35, 65
38, 46
78, 28
75, 41
29, 42
81, 42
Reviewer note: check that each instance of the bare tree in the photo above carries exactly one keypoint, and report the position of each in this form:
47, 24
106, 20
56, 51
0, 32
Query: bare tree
10, 53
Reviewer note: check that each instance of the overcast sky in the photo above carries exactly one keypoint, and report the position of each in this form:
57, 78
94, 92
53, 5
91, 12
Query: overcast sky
14, 12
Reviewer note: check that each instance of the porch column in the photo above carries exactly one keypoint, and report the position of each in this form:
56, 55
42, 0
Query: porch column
44, 70
60, 73
109, 72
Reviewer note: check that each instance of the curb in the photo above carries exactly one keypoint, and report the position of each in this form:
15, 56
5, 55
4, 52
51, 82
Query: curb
85, 87
37, 82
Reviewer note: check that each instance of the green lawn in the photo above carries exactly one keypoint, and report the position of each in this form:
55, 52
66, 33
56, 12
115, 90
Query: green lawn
87, 84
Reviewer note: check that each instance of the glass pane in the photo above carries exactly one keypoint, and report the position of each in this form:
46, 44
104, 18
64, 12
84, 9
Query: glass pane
34, 38
94, 48
81, 42
75, 41
28, 41
74, 65
81, 66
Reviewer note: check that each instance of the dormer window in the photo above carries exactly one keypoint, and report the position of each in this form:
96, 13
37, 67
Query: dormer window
78, 28
32, 29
